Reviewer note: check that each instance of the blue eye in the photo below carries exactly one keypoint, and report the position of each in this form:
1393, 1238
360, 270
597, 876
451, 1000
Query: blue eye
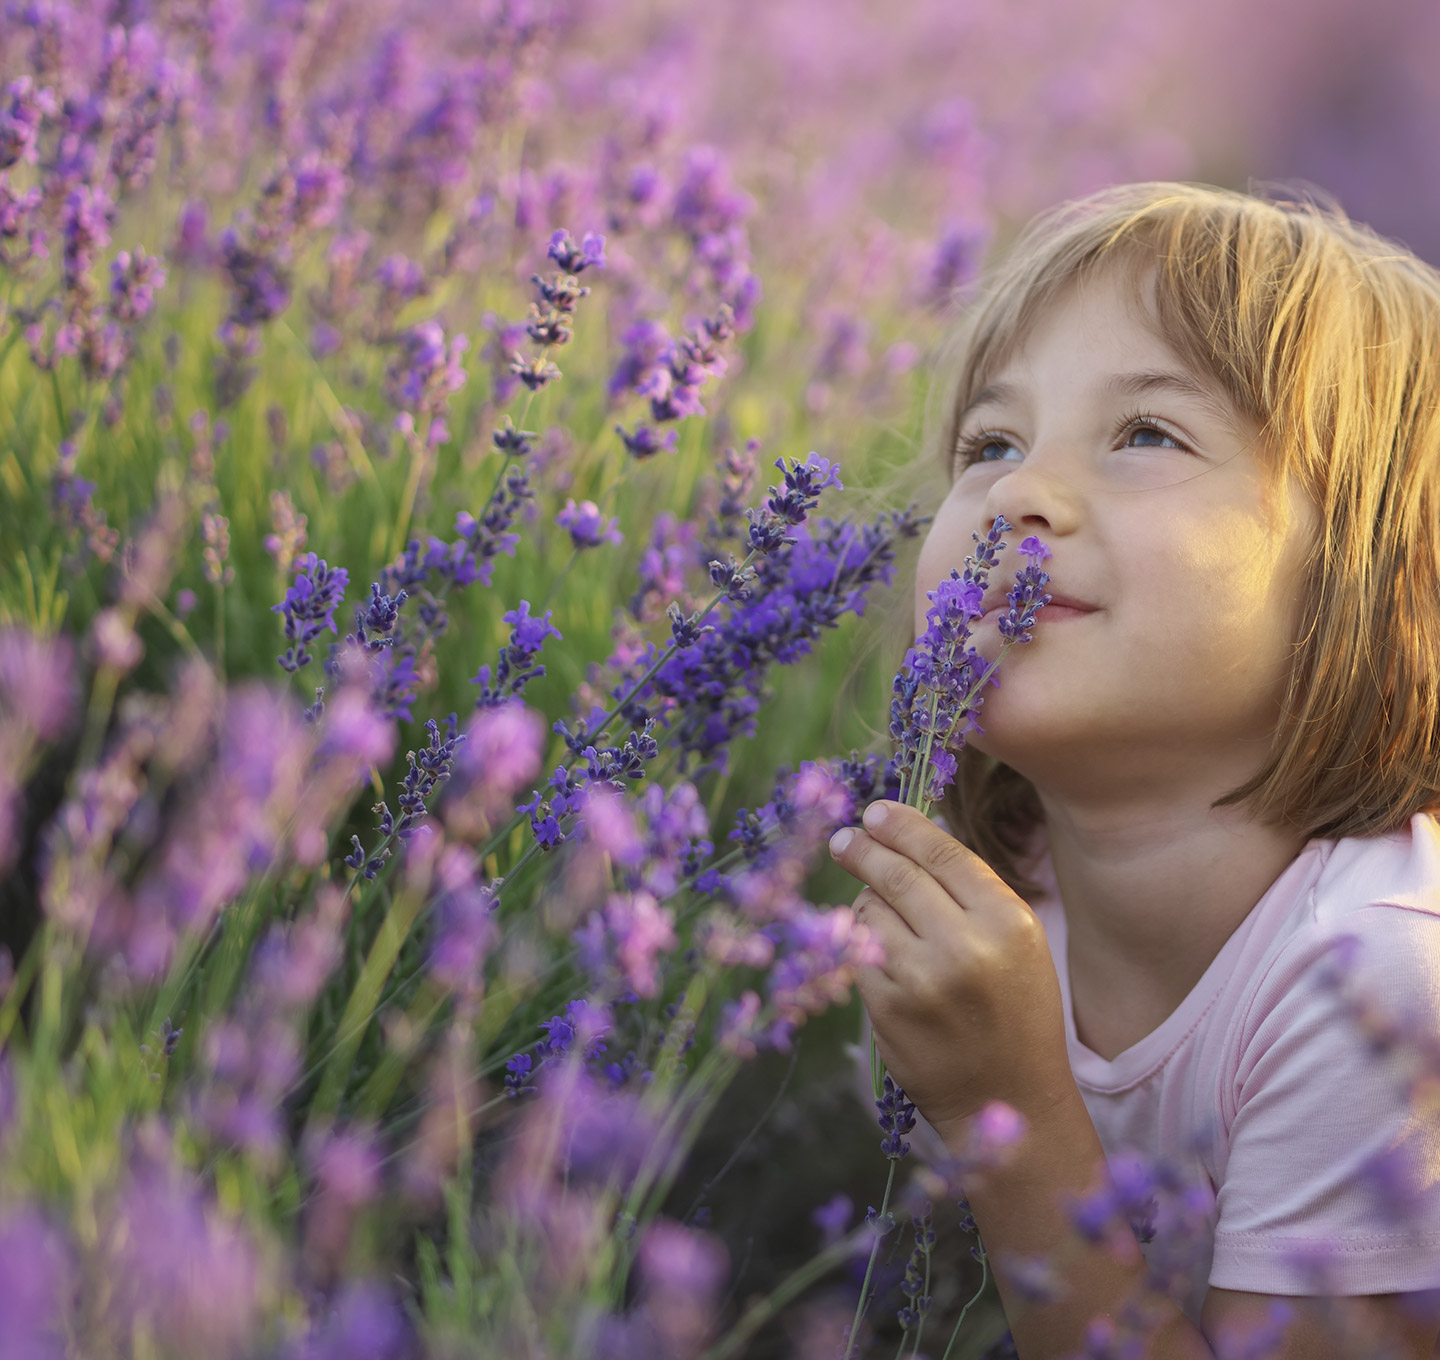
982, 448
1134, 435
1134, 431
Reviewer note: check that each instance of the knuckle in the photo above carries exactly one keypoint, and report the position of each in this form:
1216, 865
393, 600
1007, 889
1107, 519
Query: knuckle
904, 878
940, 854
928, 992
1025, 933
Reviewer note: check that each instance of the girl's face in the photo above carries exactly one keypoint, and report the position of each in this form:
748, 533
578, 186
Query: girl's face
1177, 567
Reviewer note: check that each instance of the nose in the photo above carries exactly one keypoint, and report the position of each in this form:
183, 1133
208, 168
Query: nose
1037, 495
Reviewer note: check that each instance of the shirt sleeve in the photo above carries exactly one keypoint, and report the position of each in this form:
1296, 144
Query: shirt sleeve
1332, 1179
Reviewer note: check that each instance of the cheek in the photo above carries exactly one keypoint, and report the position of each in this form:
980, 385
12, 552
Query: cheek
930, 568
945, 547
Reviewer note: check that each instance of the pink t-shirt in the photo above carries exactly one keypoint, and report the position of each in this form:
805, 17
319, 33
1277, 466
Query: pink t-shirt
1323, 1167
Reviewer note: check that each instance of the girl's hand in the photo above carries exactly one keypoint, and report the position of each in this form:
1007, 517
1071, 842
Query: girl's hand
966, 1007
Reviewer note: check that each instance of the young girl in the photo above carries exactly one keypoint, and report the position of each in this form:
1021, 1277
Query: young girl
1203, 798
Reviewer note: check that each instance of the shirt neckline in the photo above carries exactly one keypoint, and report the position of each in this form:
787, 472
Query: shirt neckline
1146, 1055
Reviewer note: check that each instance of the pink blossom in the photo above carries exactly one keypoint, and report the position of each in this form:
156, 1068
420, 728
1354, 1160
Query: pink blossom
642, 929
37, 681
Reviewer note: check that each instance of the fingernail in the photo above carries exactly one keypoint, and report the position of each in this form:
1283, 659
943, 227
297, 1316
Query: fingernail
841, 839
876, 813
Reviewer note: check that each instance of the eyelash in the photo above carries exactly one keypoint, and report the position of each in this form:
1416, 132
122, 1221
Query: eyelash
967, 447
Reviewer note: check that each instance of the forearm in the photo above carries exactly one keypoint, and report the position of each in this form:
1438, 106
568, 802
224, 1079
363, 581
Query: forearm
1020, 1210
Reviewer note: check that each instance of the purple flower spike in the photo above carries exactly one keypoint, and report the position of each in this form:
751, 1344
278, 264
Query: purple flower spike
833, 1217
309, 607
803, 484
37, 681
36, 1280
365, 1324
22, 110
937, 690
134, 280
646, 441
587, 525
897, 1118
517, 664
1027, 595
590, 254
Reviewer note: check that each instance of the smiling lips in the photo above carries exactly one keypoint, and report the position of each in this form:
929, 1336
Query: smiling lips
1060, 607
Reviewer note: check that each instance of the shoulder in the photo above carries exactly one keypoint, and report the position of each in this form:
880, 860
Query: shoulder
1399, 869
1359, 961
1373, 908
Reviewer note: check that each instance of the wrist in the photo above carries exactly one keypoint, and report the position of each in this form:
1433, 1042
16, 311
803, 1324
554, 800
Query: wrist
1046, 1113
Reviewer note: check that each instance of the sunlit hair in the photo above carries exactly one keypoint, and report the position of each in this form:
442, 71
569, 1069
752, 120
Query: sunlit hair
1327, 336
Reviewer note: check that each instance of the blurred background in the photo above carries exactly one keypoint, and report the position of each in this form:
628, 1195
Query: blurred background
889, 147
837, 171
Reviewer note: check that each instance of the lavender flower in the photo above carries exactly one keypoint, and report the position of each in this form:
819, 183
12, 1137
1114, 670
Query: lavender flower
833, 1217
287, 536
87, 217
309, 608
37, 1280
517, 664
645, 441
364, 1323
916, 1284
710, 692
22, 111
500, 756
587, 526
180, 1270
938, 689
37, 682
464, 931
425, 374
897, 1118
429, 767
575, 261
1027, 595
259, 282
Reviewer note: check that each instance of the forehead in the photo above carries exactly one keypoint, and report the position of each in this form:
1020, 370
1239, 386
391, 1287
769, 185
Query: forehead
1110, 319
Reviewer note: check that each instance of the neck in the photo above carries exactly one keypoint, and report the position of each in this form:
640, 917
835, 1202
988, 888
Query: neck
1153, 888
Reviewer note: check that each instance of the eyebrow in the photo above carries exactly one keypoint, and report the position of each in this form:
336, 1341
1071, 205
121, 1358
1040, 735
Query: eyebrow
1140, 384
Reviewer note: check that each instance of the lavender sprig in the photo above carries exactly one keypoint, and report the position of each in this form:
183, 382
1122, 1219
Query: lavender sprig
309, 607
940, 686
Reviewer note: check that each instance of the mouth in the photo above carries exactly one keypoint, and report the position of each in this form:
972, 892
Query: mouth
1060, 607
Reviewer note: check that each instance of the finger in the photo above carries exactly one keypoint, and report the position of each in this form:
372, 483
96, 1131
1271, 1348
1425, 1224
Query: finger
885, 926
877, 985
911, 894
964, 876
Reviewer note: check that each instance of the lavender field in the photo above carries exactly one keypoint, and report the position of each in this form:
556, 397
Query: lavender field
460, 468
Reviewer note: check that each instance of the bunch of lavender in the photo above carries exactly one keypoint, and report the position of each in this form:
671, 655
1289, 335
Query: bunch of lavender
940, 686
296, 968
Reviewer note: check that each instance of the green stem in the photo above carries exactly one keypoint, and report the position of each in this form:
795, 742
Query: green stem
325, 394
59, 402
664, 657
762, 1310
378, 1091
920, 1323
20, 987
500, 837
870, 1264
97, 716
557, 580
219, 629
419, 457
974, 1298
356, 1019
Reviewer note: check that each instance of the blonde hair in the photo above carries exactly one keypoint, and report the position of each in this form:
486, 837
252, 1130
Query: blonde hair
1327, 336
